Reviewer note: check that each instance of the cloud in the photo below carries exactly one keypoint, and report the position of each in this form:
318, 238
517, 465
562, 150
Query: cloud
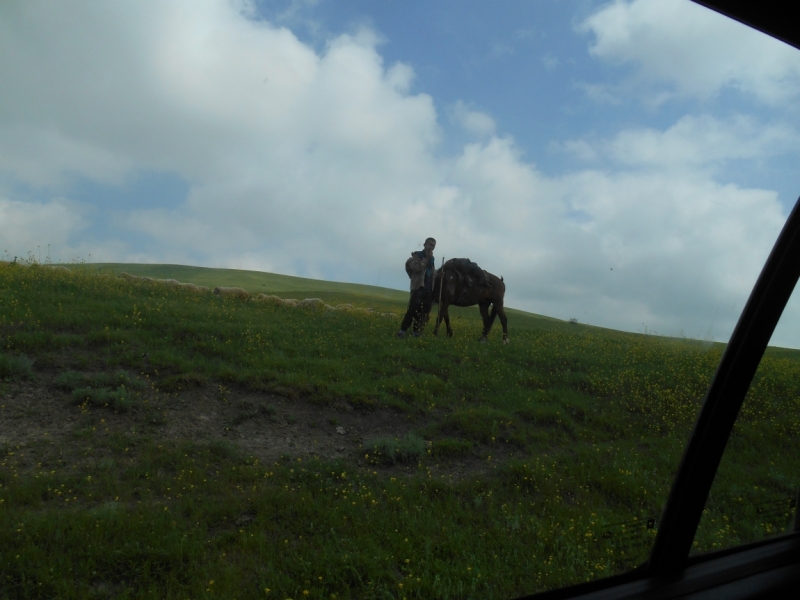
692, 143
27, 227
691, 50
324, 163
619, 249
476, 122
549, 61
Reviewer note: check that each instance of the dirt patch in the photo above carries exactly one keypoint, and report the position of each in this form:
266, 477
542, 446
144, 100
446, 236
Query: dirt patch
40, 414
264, 425
270, 426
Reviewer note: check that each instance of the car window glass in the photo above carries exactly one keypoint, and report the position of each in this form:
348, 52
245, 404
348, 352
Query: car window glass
755, 491
620, 174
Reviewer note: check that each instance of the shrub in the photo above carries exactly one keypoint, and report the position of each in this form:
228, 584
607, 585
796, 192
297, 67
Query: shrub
185, 381
451, 448
120, 379
388, 451
103, 389
546, 416
224, 449
482, 426
120, 399
15, 365
71, 380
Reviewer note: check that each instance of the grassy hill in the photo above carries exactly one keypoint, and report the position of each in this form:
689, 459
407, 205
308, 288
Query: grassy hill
257, 282
169, 439
287, 286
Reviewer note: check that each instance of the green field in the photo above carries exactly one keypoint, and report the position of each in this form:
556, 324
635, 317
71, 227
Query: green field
519, 468
286, 286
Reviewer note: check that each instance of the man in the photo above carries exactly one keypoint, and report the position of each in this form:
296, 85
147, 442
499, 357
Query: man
421, 268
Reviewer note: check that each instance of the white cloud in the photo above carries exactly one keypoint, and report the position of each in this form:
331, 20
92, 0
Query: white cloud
476, 122
45, 156
28, 227
549, 61
699, 141
693, 50
620, 250
323, 163
692, 143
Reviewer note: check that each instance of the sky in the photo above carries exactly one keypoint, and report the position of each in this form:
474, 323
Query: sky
628, 164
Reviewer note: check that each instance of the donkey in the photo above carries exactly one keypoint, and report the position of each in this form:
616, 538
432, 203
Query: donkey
456, 291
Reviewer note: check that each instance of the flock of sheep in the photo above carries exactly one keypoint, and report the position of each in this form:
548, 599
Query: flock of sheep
242, 294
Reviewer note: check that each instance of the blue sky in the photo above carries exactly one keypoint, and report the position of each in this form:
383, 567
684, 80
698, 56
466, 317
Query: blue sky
625, 163
524, 63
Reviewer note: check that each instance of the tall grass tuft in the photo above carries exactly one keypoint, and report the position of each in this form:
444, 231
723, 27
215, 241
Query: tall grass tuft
13, 366
388, 451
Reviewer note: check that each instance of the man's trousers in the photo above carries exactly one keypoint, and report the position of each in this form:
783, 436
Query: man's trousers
419, 309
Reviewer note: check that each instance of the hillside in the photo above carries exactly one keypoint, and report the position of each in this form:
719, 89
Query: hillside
168, 438
287, 286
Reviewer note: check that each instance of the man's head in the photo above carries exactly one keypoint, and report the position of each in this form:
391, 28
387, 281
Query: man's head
429, 245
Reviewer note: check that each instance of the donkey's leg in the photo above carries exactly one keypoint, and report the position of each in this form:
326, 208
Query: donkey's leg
439, 318
446, 316
492, 316
487, 324
503, 321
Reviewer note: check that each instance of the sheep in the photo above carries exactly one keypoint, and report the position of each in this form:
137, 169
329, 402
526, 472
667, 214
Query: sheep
236, 292
60, 268
344, 307
130, 277
170, 282
269, 299
313, 303
134, 278
290, 302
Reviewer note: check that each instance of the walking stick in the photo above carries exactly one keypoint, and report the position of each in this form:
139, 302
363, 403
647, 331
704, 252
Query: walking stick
439, 312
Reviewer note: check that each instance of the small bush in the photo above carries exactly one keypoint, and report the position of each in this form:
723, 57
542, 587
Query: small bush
185, 381
546, 416
450, 448
482, 426
120, 399
103, 389
119, 379
15, 365
71, 380
224, 449
388, 451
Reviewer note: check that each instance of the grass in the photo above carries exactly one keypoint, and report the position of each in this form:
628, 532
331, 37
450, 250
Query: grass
570, 436
15, 366
390, 451
116, 391
257, 282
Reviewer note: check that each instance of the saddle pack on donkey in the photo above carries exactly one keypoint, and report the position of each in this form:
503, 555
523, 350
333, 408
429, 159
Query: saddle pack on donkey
470, 275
